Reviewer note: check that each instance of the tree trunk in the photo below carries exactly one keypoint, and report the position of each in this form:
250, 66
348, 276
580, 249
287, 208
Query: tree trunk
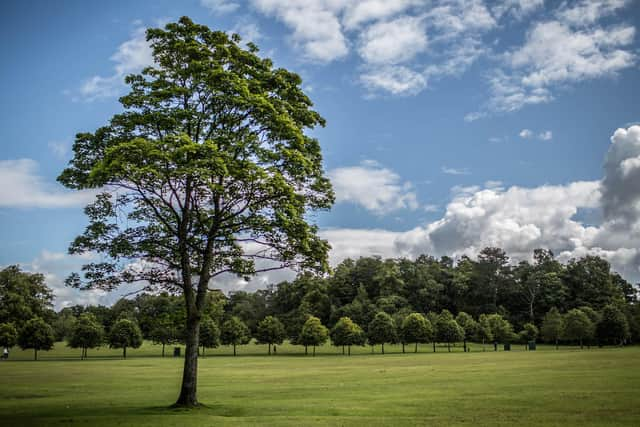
449, 347
402, 348
581, 346
343, 350
306, 350
162, 349
465, 345
35, 354
202, 351
415, 350
187, 395
314, 351
269, 349
434, 346
234, 349
495, 346
382, 348
556, 343
124, 352
483, 349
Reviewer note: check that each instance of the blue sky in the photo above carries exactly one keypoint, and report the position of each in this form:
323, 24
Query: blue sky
451, 124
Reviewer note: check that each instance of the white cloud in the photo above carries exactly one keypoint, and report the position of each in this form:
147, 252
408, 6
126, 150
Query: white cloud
22, 187
589, 11
359, 12
377, 189
393, 79
518, 8
454, 171
317, 30
58, 148
248, 31
220, 7
393, 42
547, 135
130, 57
525, 133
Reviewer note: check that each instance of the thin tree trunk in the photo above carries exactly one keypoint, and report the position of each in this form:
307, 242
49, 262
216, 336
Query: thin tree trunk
382, 348
234, 349
434, 346
124, 352
581, 346
35, 354
269, 349
187, 395
449, 347
415, 350
402, 348
202, 351
306, 350
342, 350
314, 351
465, 345
162, 349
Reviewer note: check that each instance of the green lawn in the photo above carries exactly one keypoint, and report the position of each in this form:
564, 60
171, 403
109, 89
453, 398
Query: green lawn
545, 387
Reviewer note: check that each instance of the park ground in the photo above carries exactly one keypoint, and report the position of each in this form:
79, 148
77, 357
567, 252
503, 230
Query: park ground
518, 388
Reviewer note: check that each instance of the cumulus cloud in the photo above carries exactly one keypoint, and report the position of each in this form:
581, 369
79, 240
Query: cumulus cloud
377, 189
547, 135
22, 187
392, 42
525, 133
220, 7
393, 79
130, 57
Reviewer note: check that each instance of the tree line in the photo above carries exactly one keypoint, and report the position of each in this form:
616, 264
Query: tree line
368, 301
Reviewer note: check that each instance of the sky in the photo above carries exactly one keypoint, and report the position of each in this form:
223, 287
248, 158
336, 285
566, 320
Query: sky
451, 124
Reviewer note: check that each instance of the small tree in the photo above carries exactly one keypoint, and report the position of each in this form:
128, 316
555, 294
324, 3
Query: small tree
8, 335
270, 331
36, 334
381, 330
501, 329
235, 332
468, 325
86, 333
552, 326
416, 329
313, 333
613, 326
125, 333
528, 333
577, 326
164, 332
432, 317
347, 333
448, 329
209, 334
484, 330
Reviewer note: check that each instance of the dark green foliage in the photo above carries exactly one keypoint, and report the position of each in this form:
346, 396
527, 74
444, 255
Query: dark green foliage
528, 333
270, 331
36, 334
468, 325
209, 334
448, 329
234, 332
416, 329
8, 335
86, 333
23, 296
382, 329
125, 334
613, 327
347, 333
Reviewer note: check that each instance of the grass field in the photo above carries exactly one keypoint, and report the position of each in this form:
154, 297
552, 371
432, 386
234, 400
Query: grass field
517, 388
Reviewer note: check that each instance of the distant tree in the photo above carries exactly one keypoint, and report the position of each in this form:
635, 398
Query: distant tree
501, 329
23, 296
209, 334
448, 329
87, 333
577, 326
381, 330
164, 331
270, 331
347, 333
313, 333
235, 332
63, 325
125, 334
483, 332
36, 334
613, 326
416, 329
468, 325
8, 335
552, 326
528, 333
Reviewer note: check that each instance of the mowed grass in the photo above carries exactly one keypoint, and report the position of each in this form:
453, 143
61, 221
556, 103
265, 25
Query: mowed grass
545, 387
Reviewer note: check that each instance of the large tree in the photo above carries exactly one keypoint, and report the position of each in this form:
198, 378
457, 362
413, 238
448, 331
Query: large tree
347, 333
210, 164
86, 333
36, 334
23, 296
271, 332
313, 333
382, 329
416, 329
235, 332
125, 334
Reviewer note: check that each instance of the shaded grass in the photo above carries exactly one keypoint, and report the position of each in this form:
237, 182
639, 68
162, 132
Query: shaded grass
565, 387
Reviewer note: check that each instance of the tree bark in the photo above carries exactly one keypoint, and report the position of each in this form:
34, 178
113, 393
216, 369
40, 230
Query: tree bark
415, 350
269, 349
187, 395
162, 349
35, 354
449, 347
382, 348
402, 348
465, 345
306, 350
234, 349
434, 346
